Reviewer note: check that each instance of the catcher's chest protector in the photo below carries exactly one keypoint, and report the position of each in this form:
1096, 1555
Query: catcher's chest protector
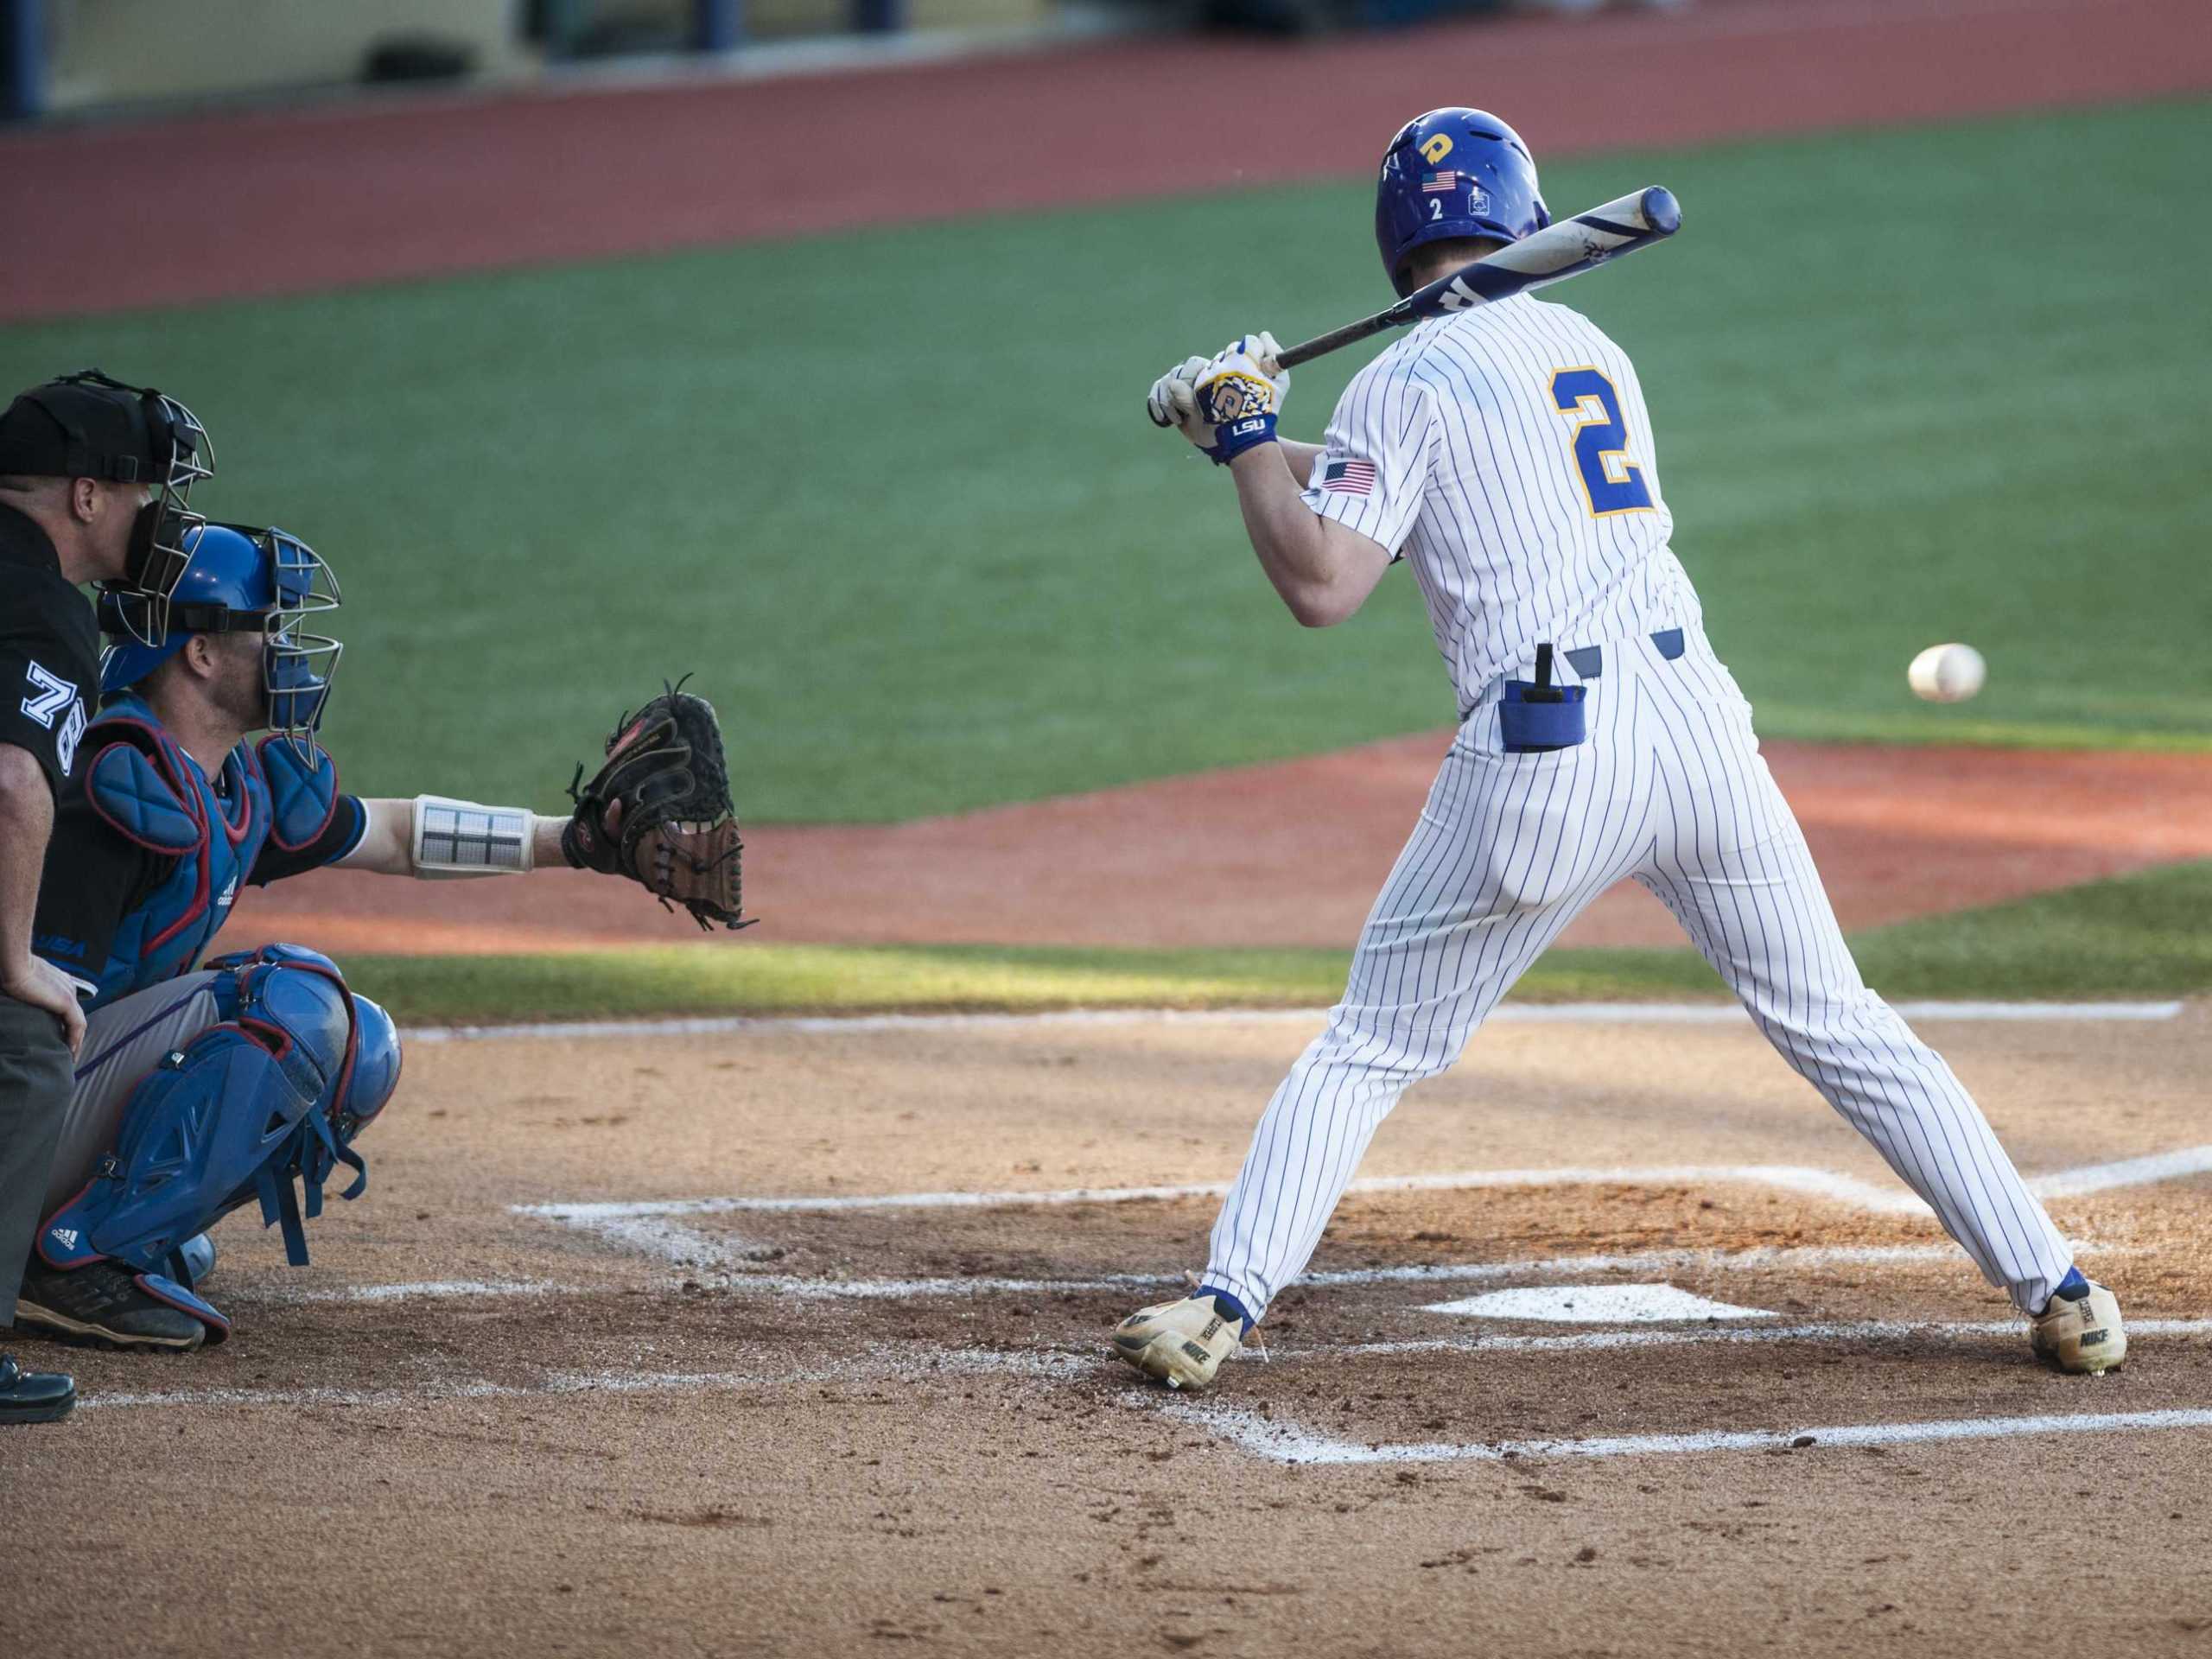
146, 789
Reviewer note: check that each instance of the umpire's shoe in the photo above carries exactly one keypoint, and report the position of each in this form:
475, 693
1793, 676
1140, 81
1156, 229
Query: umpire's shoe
101, 1303
34, 1396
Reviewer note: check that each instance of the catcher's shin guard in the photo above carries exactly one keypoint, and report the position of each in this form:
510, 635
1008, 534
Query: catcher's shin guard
271, 1095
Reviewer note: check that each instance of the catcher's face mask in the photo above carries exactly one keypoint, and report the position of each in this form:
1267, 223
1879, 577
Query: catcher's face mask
241, 580
297, 667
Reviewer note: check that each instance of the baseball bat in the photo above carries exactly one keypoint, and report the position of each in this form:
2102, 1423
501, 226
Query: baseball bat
1551, 255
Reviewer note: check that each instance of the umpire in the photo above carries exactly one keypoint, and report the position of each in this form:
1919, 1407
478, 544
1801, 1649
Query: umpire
93, 480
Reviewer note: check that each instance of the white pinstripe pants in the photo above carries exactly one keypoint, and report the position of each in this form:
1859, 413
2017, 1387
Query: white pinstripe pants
1671, 789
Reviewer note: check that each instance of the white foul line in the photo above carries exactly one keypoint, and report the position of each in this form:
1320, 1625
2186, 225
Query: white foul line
1535, 1013
1285, 1442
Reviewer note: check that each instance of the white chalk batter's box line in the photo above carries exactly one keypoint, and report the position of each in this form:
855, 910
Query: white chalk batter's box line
1271, 1439
1793, 1178
652, 1227
1532, 1013
1757, 1258
1278, 1441
1826, 1330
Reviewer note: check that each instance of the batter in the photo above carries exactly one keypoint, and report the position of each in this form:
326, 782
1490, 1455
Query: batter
1505, 455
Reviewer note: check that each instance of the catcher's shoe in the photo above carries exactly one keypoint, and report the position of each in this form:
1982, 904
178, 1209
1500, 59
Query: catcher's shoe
2080, 1329
1181, 1342
102, 1305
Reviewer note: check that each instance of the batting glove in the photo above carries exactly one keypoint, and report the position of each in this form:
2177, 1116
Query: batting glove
1239, 394
1174, 401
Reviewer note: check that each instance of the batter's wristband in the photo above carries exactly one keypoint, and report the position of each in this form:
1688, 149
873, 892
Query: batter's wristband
1234, 439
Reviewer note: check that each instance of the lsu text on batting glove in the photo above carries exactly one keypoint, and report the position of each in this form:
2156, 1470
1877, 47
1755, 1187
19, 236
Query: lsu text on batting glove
1239, 394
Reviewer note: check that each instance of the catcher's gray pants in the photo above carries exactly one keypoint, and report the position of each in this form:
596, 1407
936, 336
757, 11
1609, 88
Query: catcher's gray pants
33, 1096
123, 1042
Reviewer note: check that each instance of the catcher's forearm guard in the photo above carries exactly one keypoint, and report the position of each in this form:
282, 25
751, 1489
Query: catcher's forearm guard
659, 811
463, 838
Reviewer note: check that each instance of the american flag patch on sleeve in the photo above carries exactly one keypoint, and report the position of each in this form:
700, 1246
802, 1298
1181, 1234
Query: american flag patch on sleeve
1349, 477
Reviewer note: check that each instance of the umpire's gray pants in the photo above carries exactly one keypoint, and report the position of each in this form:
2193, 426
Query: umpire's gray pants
34, 1097
123, 1042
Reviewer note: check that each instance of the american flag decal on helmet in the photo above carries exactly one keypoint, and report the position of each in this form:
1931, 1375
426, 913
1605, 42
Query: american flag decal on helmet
1445, 181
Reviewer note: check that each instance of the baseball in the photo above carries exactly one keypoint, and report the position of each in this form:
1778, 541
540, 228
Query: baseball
1950, 673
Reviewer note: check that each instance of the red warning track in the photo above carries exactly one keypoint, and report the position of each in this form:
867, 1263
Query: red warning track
1242, 857
291, 201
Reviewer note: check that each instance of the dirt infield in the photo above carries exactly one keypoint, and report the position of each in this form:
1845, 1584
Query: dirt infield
1238, 857
529, 1401
368, 192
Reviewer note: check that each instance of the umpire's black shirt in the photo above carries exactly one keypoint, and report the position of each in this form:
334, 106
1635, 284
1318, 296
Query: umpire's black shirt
49, 672
49, 650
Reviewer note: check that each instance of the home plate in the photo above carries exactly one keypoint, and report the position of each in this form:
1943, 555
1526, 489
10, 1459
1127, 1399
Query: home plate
1595, 1304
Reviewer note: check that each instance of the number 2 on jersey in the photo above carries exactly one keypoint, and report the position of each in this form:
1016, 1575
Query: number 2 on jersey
1612, 481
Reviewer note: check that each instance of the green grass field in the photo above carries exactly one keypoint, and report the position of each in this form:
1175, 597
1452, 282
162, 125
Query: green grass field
2142, 936
891, 495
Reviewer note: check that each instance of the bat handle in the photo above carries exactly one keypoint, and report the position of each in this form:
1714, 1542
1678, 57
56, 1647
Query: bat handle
1351, 334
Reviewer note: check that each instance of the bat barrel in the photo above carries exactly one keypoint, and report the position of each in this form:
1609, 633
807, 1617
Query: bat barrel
1660, 210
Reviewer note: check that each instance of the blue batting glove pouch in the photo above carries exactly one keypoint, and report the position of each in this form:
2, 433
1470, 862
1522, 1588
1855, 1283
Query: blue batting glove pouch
1536, 716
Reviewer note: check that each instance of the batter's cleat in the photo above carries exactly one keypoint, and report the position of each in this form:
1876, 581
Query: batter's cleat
1183, 1343
102, 1306
2079, 1329
34, 1396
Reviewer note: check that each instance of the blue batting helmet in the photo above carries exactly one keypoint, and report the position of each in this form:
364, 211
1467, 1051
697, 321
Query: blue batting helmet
237, 580
1453, 173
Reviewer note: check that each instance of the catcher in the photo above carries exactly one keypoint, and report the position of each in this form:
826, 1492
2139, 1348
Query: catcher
206, 1083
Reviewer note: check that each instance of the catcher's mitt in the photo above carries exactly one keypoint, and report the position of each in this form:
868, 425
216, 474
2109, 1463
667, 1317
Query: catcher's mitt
659, 811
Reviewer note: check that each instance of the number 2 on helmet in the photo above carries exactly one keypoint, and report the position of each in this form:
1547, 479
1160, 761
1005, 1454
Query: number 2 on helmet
1612, 482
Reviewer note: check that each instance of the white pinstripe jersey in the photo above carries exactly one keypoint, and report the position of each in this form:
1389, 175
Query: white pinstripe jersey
1504, 453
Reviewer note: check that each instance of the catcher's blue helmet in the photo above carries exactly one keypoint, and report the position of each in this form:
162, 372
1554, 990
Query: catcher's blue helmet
237, 580
1453, 173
